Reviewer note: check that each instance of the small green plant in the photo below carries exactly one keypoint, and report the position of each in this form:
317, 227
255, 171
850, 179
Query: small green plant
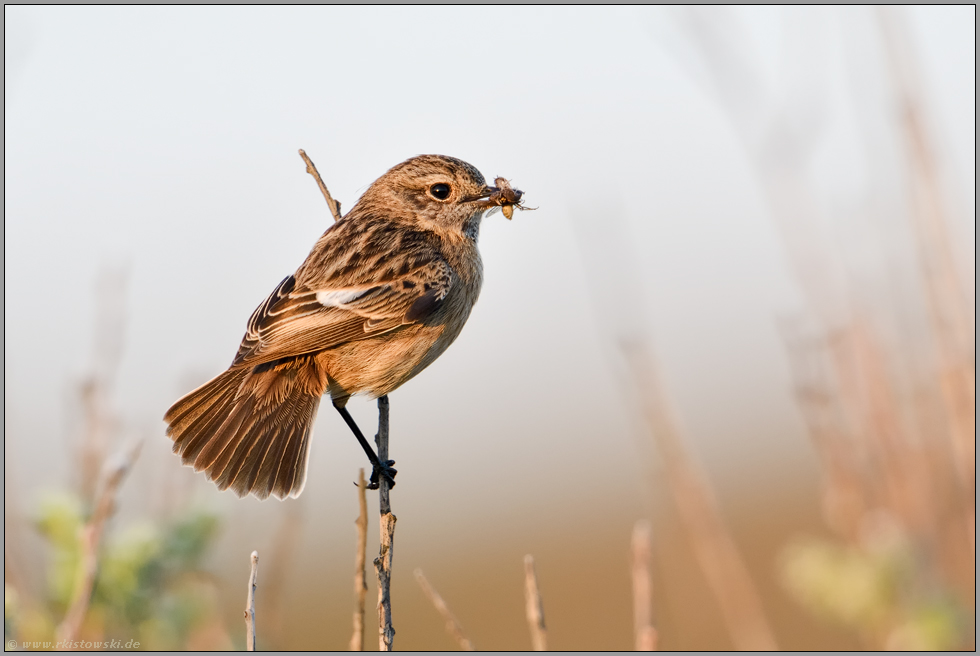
878, 587
149, 588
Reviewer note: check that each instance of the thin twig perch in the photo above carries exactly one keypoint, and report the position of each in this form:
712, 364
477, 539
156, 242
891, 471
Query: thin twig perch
334, 205
250, 604
646, 635
382, 564
452, 625
533, 607
91, 537
360, 574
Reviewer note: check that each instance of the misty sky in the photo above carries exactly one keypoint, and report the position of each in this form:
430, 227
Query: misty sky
163, 141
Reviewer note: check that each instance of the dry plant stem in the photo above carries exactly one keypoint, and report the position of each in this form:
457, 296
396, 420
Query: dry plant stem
452, 625
382, 564
714, 548
381, 439
533, 607
250, 604
645, 634
90, 538
867, 394
904, 482
360, 572
311, 169
843, 491
952, 320
98, 422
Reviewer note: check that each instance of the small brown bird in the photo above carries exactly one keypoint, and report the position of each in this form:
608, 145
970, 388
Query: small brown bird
383, 293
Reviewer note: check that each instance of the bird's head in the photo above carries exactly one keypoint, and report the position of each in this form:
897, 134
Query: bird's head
435, 192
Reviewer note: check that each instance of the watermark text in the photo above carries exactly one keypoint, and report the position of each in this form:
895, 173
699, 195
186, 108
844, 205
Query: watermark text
13, 645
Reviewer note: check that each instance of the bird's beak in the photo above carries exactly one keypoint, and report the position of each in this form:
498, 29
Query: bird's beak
487, 192
499, 195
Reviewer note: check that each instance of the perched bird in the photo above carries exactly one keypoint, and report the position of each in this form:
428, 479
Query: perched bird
383, 293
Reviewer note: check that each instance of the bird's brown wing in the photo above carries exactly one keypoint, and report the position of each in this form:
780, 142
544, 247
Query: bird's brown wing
298, 319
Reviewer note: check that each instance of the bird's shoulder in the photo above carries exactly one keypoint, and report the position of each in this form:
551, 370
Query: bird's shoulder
367, 249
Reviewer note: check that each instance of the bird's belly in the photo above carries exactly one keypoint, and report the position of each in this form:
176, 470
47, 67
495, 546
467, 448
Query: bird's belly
380, 365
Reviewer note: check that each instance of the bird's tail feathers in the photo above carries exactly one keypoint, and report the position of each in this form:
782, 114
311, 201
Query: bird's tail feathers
249, 428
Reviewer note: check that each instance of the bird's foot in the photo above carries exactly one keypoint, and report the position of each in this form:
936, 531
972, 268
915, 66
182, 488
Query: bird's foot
383, 469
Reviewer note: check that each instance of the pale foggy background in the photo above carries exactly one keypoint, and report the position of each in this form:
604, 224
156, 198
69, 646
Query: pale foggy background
162, 142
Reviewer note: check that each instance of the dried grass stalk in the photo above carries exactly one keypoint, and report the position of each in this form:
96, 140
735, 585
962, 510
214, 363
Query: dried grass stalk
953, 321
91, 538
716, 553
382, 564
452, 625
334, 205
250, 603
533, 606
645, 634
360, 570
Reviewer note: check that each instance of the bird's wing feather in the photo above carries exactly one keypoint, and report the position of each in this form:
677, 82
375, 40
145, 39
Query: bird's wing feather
298, 319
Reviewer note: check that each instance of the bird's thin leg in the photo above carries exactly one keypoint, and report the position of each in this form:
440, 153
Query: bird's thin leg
386, 469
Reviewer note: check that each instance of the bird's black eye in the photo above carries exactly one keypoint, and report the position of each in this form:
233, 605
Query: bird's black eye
440, 191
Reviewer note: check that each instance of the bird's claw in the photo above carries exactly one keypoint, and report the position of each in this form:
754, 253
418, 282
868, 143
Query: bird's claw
385, 469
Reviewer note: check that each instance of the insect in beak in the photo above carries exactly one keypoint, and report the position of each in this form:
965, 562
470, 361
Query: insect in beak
504, 196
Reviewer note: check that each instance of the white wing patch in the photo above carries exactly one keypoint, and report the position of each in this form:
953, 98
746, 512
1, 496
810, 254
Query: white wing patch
338, 297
